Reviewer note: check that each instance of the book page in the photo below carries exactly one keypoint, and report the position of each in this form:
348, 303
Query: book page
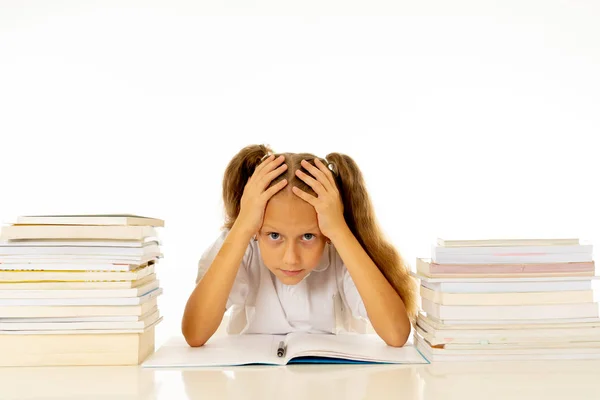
356, 347
229, 350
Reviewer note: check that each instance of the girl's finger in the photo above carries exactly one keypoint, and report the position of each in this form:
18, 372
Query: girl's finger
318, 174
263, 163
266, 179
270, 165
310, 199
270, 192
326, 171
312, 182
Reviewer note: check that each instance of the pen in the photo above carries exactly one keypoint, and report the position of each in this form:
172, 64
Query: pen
281, 349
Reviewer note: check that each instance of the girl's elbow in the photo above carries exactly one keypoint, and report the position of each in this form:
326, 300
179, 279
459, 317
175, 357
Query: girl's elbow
195, 342
191, 336
396, 340
193, 339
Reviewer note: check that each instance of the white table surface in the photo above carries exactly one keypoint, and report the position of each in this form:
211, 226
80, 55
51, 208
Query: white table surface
573, 380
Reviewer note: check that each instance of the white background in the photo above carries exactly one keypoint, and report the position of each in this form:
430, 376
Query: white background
468, 118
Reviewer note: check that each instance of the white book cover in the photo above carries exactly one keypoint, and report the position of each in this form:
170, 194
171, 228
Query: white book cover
501, 242
75, 326
55, 232
149, 249
507, 279
511, 258
90, 219
29, 276
506, 298
503, 336
475, 328
83, 285
82, 331
72, 258
584, 247
523, 312
111, 318
525, 286
439, 355
76, 311
80, 243
66, 266
509, 323
102, 301
79, 294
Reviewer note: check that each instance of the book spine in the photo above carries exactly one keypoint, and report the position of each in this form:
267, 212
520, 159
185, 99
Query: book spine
512, 258
514, 250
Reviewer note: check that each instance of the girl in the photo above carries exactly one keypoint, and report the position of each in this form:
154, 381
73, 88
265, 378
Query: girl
301, 251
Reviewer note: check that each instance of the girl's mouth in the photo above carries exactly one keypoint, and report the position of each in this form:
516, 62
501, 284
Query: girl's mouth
291, 273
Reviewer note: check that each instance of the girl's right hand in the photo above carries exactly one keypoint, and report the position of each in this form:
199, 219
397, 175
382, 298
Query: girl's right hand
255, 197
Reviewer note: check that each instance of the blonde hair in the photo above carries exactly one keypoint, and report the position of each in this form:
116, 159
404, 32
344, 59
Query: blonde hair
358, 209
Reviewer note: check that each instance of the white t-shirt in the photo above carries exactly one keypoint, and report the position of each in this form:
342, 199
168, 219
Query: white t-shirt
326, 301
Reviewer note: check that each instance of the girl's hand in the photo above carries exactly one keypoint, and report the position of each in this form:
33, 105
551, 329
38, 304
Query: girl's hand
255, 197
328, 204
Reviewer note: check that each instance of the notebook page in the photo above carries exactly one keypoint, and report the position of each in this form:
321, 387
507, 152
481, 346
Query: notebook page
359, 347
226, 350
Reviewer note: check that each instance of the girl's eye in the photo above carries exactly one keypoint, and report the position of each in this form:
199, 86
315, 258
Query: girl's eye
274, 235
308, 236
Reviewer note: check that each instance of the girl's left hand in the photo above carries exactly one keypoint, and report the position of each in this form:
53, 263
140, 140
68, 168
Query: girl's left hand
328, 204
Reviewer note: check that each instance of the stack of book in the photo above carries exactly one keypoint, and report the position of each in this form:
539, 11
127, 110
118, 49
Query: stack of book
522, 299
78, 290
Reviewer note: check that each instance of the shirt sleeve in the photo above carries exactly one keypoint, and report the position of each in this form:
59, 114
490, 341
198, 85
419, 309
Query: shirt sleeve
240, 288
355, 302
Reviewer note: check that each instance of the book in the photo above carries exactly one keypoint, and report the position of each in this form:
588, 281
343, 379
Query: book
507, 242
147, 249
78, 294
81, 301
586, 248
512, 258
496, 335
76, 285
73, 259
439, 323
74, 348
426, 267
494, 285
518, 312
22, 326
480, 353
508, 279
236, 350
505, 298
80, 242
90, 219
75, 265
15, 232
28, 276
78, 290
113, 318
76, 311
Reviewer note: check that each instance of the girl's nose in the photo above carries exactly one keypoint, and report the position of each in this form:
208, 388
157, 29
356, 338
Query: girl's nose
291, 255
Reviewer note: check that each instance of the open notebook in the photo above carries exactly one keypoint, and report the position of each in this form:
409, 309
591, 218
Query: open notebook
235, 350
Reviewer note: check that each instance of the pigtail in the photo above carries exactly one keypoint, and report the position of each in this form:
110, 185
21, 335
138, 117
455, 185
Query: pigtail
238, 171
360, 217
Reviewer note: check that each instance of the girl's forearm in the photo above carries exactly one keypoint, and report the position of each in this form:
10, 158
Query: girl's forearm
384, 306
205, 307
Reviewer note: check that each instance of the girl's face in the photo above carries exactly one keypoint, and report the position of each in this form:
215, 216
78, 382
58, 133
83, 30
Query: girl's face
290, 241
